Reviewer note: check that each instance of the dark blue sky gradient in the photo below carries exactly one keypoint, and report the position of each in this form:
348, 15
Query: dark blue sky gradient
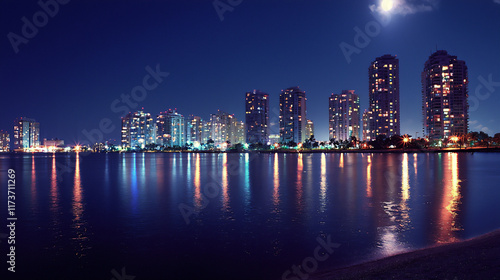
91, 52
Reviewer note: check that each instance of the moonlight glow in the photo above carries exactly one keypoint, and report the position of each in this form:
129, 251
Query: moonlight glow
387, 5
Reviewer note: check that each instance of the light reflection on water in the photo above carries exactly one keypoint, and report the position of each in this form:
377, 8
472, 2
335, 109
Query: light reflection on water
372, 204
81, 237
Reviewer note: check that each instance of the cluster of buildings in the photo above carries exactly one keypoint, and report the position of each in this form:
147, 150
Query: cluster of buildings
172, 129
444, 105
444, 110
26, 135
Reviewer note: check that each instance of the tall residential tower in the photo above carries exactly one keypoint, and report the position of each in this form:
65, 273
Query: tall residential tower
138, 130
383, 85
293, 115
444, 96
344, 115
257, 117
170, 129
26, 133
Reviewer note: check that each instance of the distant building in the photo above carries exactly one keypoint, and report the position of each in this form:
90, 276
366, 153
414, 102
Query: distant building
274, 138
444, 96
194, 130
4, 141
225, 127
366, 122
309, 129
138, 130
170, 129
26, 133
206, 131
383, 85
293, 115
53, 142
257, 117
238, 136
344, 115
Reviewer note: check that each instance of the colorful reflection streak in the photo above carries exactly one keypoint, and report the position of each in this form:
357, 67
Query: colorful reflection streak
405, 194
369, 176
79, 224
300, 170
276, 195
197, 182
450, 202
33, 179
405, 180
225, 193
323, 184
54, 199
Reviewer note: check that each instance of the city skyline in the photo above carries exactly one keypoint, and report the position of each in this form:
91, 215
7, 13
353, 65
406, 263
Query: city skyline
62, 84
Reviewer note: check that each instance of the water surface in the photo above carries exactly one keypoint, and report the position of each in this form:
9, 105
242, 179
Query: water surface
246, 216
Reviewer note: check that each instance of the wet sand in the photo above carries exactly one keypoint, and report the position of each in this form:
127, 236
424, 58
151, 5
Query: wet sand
476, 258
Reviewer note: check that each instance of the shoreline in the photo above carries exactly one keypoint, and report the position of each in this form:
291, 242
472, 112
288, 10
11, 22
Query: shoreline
475, 258
293, 151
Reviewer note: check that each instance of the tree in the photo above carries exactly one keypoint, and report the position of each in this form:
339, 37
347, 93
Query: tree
496, 138
472, 138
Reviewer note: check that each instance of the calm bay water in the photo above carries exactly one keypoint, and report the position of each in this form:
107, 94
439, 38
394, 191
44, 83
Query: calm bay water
255, 215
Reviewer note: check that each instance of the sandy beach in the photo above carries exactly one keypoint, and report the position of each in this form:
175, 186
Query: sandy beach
476, 258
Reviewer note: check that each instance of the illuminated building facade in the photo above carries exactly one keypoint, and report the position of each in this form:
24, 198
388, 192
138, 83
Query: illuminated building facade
309, 129
383, 85
444, 96
225, 127
53, 143
366, 122
206, 131
293, 118
344, 115
4, 141
170, 129
138, 130
194, 130
26, 133
257, 117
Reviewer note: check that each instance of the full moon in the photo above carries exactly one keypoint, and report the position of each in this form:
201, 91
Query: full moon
386, 5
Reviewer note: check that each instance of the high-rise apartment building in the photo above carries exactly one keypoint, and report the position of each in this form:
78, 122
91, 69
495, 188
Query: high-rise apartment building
225, 127
257, 117
26, 133
138, 130
383, 85
444, 96
206, 131
309, 129
293, 118
366, 122
194, 129
344, 115
4, 141
170, 129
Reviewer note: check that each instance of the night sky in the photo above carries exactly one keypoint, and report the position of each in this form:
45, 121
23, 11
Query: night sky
91, 52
